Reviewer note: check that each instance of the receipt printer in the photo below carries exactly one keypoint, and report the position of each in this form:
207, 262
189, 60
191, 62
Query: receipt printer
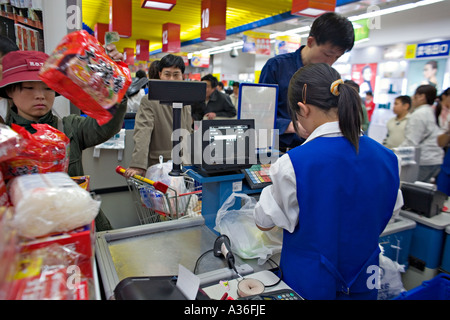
422, 198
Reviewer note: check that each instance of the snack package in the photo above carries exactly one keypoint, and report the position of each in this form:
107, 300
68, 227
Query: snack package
48, 203
80, 70
44, 151
10, 143
49, 273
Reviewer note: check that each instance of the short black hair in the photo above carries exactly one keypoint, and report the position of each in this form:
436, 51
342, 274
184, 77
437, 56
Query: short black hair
429, 91
404, 100
209, 77
335, 29
141, 74
172, 60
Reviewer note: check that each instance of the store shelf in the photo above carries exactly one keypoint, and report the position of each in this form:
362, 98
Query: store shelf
20, 19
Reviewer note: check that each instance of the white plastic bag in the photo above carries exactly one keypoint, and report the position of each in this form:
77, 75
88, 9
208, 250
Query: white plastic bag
391, 284
247, 241
160, 172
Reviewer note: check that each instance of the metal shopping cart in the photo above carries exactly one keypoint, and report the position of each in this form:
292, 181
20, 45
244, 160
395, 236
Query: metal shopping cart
156, 202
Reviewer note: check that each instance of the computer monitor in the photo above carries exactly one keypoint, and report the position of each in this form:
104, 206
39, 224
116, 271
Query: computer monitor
220, 146
260, 102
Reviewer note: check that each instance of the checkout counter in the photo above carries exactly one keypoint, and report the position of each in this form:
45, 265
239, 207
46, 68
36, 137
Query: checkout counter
154, 252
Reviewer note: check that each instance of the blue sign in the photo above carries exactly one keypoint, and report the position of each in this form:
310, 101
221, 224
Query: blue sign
433, 49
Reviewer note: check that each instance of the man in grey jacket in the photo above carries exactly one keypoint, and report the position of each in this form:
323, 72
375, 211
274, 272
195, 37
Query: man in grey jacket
153, 123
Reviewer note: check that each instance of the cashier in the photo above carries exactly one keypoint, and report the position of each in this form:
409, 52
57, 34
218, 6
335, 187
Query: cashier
333, 195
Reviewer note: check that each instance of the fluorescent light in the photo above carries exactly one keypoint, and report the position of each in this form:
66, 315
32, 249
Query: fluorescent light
166, 5
403, 7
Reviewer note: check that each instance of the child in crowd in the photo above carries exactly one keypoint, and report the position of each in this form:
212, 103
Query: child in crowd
32, 102
396, 125
333, 195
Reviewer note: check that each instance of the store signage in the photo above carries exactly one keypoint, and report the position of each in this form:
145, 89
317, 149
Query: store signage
256, 42
434, 49
120, 17
200, 60
213, 20
312, 8
361, 28
142, 50
128, 55
171, 38
286, 44
99, 31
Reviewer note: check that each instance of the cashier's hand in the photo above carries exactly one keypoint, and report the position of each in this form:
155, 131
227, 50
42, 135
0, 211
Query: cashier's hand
134, 171
113, 52
210, 115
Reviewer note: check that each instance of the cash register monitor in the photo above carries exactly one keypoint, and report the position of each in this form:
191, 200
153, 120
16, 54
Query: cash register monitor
259, 102
224, 145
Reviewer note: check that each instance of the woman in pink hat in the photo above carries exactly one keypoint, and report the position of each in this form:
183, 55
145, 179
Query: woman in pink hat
32, 102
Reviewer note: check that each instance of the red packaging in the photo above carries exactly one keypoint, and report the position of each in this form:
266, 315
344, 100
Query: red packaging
10, 143
82, 238
44, 151
80, 70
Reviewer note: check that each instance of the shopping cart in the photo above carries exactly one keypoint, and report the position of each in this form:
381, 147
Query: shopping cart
156, 202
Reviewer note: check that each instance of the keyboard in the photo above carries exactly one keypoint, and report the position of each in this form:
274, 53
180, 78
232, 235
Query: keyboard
257, 176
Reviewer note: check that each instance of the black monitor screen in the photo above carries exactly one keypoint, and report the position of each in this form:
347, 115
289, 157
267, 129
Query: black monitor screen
227, 145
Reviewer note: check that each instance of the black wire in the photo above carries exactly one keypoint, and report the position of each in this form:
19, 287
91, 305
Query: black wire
199, 258
279, 278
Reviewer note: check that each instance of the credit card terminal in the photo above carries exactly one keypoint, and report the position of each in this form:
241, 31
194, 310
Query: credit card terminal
282, 294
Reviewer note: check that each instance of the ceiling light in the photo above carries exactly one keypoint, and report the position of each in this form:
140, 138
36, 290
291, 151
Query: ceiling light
165, 5
312, 8
381, 12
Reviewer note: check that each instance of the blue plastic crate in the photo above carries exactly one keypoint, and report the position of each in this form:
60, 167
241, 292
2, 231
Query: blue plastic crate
396, 239
428, 237
437, 288
128, 124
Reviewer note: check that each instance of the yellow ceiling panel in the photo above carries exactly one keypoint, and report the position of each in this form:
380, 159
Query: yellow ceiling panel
147, 23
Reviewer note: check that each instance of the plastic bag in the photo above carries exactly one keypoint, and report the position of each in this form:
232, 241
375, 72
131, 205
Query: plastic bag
10, 143
48, 203
44, 151
247, 241
160, 172
391, 284
81, 71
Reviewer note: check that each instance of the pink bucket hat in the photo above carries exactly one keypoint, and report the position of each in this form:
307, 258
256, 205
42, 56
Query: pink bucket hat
20, 66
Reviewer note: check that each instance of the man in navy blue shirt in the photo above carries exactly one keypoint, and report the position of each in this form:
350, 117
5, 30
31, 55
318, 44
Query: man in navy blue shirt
330, 37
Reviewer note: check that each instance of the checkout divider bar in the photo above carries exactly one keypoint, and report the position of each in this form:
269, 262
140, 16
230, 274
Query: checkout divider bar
153, 227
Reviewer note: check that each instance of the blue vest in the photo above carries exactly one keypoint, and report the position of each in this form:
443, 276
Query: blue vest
346, 200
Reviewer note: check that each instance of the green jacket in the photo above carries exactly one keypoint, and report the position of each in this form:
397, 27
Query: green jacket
83, 132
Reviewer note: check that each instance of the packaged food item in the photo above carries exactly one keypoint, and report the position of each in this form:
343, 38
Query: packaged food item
49, 273
48, 203
44, 151
80, 69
